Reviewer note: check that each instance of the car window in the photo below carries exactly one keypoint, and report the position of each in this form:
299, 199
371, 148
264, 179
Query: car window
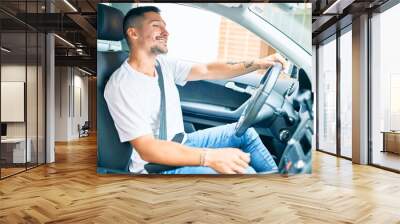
201, 36
292, 19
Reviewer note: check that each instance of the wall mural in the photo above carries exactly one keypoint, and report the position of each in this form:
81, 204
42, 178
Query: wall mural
199, 88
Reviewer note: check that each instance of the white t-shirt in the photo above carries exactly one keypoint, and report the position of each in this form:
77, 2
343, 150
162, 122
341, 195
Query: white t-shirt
134, 100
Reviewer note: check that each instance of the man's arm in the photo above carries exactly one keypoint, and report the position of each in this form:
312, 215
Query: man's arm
221, 70
227, 160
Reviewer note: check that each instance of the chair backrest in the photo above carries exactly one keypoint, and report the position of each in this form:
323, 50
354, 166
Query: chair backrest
86, 125
112, 155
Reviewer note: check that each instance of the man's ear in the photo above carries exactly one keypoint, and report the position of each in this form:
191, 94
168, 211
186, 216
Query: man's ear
132, 33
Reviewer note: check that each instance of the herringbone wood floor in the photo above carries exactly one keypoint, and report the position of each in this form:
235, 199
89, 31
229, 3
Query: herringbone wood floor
70, 191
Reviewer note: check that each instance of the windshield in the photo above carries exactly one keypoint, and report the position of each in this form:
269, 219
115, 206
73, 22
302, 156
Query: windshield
292, 19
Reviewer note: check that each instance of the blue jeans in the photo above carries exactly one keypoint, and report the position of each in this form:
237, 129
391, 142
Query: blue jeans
219, 137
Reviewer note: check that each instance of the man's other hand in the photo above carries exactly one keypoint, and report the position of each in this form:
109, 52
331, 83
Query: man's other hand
227, 160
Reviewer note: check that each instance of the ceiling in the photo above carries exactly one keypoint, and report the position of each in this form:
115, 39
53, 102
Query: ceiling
329, 16
75, 21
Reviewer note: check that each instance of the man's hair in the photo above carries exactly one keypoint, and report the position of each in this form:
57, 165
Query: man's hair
133, 17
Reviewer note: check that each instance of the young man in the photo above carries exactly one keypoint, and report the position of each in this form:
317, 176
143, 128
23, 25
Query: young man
133, 97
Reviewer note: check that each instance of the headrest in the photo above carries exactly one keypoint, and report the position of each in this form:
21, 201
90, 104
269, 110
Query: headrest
109, 23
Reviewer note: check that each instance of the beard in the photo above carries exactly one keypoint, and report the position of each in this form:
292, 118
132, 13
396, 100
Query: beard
158, 50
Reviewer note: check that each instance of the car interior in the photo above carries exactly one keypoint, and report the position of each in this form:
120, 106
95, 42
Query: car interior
281, 110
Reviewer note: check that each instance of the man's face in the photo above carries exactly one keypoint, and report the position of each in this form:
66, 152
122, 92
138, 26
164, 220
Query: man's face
152, 33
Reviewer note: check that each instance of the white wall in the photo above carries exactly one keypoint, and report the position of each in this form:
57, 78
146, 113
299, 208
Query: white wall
61, 103
33, 126
70, 83
79, 117
12, 101
12, 73
314, 90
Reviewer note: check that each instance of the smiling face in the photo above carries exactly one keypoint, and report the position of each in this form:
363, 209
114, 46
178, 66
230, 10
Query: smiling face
151, 35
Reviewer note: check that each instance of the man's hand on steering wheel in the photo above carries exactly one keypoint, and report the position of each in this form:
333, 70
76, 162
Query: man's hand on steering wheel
258, 99
271, 60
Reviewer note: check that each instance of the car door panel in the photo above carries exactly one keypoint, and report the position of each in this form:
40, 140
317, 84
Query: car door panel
211, 103
215, 100
212, 111
209, 93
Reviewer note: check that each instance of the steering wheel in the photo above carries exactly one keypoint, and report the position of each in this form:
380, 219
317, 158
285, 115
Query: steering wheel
258, 99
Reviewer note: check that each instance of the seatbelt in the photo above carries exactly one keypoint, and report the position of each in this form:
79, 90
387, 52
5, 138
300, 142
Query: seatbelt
162, 135
163, 110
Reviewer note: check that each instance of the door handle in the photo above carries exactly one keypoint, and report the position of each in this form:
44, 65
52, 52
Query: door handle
232, 85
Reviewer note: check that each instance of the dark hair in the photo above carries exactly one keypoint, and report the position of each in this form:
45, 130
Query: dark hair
131, 18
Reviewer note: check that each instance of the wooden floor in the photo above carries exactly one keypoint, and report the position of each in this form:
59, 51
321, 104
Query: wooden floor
5, 172
70, 191
8, 171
